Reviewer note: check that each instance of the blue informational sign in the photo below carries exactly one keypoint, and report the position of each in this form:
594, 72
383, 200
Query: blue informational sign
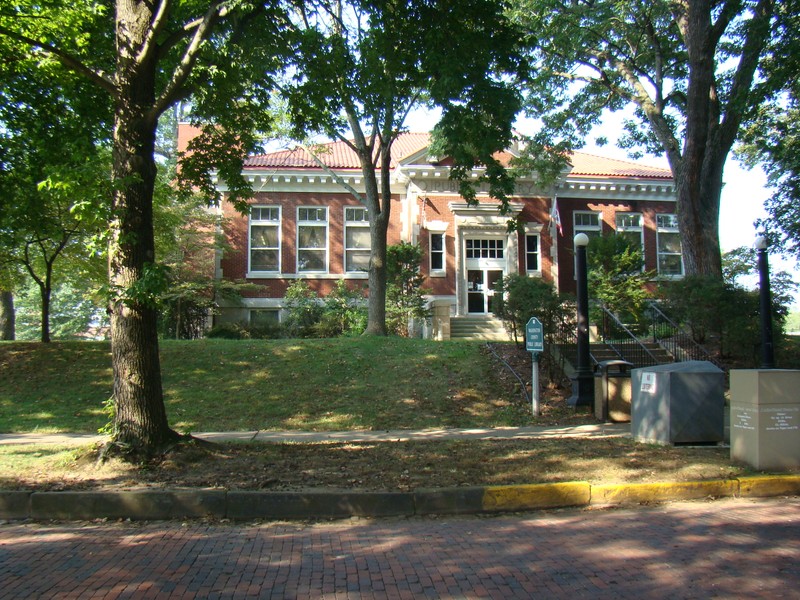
534, 335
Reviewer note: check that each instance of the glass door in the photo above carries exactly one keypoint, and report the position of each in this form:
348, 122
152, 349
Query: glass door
481, 284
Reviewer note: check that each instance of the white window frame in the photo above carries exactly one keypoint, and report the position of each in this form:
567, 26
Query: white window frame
349, 224
538, 253
673, 230
487, 248
260, 222
313, 223
437, 271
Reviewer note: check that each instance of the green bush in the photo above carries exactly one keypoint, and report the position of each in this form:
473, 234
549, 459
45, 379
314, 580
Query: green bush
404, 292
303, 310
616, 277
344, 312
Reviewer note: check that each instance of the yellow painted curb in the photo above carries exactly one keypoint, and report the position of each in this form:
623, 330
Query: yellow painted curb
543, 495
630, 493
765, 486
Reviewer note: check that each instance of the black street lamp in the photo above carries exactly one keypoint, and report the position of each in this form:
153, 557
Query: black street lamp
583, 382
765, 297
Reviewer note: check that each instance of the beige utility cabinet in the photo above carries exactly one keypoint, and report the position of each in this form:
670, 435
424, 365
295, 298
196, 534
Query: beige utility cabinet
765, 418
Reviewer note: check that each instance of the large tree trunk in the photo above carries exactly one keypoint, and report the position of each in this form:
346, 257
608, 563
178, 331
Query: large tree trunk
380, 206
699, 174
140, 423
8, 316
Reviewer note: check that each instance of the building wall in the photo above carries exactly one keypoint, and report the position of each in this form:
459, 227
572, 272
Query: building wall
608, 210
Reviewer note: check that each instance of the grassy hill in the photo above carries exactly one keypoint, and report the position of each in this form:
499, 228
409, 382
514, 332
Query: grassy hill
227, 385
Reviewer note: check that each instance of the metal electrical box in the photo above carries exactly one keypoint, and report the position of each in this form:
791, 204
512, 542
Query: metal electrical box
678, 403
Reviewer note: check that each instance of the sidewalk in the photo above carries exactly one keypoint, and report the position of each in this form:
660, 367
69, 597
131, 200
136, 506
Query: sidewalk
309, 437
220, 503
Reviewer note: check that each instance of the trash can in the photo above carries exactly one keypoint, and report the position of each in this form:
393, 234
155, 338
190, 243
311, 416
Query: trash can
678, 403
612, 398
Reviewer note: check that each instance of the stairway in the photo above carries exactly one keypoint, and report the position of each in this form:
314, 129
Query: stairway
478, 328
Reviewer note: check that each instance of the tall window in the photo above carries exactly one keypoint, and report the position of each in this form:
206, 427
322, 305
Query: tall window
437, 252
668, 242
532, 253
629, 226
356, 239
588, 223
312, 240
265, 239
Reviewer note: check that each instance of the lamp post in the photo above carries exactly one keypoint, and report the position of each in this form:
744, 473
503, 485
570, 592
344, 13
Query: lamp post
583, 382
767, 347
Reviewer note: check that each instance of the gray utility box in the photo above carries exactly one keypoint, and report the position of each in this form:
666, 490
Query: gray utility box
678, 403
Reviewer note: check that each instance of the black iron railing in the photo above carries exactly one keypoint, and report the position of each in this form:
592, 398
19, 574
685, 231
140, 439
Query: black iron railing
675, 340
621, 340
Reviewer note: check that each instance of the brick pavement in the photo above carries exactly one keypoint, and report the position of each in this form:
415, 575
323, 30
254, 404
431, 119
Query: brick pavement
745, 548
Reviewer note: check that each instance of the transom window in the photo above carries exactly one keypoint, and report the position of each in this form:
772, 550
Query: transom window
668, 243
485, 248
265, 238
356, 239
588, 223
312, 240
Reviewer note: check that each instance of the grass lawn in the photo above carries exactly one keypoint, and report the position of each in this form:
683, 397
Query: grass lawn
230, 385
360, 383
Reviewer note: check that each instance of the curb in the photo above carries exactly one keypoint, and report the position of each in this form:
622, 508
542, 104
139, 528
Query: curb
244, 505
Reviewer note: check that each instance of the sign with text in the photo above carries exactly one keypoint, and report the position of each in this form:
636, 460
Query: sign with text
534, 335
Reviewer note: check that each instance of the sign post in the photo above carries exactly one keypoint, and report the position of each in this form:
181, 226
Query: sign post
534, 343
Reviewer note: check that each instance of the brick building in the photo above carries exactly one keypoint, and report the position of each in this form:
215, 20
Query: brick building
304, 225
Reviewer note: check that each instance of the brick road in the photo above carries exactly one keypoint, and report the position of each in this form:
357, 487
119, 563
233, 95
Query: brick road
726, 548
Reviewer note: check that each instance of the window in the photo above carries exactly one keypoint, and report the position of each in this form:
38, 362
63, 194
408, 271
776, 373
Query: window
312, 240
264, 317
265, 238
588, 223
484, 248
437, 252
356, 239
629, 226
532, 253
668, 242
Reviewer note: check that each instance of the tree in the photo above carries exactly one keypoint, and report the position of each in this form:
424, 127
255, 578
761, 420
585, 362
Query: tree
616, 275
772, 136
54, 177
689, 69
355, 76
147, 56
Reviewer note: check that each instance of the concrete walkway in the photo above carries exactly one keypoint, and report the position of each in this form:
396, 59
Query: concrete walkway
400, 435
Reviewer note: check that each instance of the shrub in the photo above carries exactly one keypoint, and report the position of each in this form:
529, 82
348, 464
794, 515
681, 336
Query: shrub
344, 312
303, 310
404, 292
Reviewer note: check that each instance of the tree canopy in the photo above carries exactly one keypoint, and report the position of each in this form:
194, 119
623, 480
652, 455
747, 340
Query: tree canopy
689, 68
360, 67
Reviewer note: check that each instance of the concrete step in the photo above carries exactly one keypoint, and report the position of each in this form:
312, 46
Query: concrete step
477, 328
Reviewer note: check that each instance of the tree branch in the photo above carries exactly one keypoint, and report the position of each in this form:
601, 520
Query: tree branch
149, 45
172, 91
98, 77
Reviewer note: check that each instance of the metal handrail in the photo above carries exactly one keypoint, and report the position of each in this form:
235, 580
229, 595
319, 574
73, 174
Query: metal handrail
616, 335
675, 339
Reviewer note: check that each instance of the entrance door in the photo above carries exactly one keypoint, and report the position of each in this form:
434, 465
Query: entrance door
481, 284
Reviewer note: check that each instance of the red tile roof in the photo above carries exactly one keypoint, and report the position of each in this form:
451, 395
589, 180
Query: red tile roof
338, 155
